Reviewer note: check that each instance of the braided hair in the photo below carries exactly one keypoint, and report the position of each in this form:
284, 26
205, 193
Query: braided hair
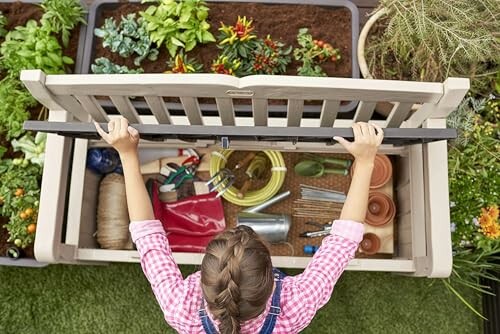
236, 277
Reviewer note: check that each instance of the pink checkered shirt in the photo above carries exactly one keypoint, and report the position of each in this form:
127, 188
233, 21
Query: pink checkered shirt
301, 295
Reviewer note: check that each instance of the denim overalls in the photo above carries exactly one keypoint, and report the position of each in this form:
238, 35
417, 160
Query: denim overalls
271, 318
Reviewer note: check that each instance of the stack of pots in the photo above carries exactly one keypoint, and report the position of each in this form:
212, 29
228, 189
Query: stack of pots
381, 208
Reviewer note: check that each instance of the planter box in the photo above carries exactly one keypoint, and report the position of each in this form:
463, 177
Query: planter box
98, 6
30, 262
67, 209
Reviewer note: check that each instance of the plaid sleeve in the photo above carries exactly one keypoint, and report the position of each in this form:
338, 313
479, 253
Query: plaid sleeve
160, 268
313, 288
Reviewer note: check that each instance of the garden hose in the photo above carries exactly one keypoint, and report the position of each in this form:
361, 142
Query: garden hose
218, 161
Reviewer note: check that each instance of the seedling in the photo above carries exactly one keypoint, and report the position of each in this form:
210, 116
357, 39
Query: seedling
312, 53
182, 64
270, 57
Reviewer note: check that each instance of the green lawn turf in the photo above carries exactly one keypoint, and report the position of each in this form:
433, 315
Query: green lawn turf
117, 299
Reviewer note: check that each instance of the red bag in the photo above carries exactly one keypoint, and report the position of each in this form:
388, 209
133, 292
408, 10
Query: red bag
190, 223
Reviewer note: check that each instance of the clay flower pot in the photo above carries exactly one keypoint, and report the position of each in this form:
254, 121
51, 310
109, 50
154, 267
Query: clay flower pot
381, 209
382, 171
370, 243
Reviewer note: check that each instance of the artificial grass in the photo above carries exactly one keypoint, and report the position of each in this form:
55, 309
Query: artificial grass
118, 299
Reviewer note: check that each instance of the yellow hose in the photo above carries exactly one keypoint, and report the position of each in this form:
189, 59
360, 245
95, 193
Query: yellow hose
255, 197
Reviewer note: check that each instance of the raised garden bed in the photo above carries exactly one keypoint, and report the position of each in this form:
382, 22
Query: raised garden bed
18, 14
334, 21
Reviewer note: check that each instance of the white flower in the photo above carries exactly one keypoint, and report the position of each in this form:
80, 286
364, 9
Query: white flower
453, 227
475, 221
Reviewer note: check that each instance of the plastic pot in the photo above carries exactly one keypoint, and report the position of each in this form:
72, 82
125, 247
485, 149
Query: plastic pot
98, 6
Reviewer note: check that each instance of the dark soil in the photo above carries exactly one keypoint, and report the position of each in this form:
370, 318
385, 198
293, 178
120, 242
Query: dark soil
282, 22
19, 14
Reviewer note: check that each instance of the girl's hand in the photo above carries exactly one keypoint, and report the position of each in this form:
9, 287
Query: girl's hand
367, 139
121, 136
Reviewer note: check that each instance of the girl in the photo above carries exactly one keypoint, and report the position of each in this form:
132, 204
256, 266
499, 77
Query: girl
237, 290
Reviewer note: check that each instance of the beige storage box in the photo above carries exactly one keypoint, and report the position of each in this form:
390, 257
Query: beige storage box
67, 223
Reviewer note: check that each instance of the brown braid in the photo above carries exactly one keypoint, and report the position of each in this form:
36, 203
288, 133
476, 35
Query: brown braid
236, 277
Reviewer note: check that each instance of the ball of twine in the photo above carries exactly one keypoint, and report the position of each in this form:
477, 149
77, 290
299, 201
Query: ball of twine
112, 214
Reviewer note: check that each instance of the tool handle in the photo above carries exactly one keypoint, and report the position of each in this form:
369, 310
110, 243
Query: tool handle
244, 188
243, 162
340, 162
336, 171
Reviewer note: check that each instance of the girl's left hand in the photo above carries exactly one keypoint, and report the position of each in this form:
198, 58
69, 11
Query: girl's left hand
121, 136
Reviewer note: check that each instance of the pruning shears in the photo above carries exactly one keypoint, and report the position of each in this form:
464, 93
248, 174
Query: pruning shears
325, 229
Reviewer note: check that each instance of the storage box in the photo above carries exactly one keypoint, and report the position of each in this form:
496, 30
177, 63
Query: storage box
66, 219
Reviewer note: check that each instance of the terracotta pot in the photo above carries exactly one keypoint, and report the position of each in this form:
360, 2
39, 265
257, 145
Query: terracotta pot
382, 171
370, 243
381, 209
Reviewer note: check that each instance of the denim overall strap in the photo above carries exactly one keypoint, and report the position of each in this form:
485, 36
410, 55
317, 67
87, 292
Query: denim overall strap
271, 318
208, 326
275, 310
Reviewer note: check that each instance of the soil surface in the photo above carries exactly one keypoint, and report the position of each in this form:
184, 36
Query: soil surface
282, 22
19, 14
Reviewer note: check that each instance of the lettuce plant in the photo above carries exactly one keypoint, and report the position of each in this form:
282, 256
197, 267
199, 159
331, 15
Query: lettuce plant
32, 47
128, 38
61, 16
178, 24
105, 66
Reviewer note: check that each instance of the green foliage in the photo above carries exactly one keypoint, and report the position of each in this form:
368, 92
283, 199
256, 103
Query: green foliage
32, 47
129, 37
270, 57
105, 66
178, 24
473, 168
433, 39
474, 183
61, 16
13, 108
312, 53
3, 23
33, 148
15, 175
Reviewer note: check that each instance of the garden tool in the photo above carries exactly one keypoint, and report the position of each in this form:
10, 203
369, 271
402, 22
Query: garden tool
346, 163
221, 181
272, 227
324, 229
255, 170
243, 162
313, 168
178, 177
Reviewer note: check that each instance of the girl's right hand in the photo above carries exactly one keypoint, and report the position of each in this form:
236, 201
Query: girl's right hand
367, 139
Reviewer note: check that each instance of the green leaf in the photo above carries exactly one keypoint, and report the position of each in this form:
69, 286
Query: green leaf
177, 42
67, 60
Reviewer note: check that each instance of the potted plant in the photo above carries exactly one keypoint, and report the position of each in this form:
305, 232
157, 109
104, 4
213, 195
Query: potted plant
212, 34
430, 41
